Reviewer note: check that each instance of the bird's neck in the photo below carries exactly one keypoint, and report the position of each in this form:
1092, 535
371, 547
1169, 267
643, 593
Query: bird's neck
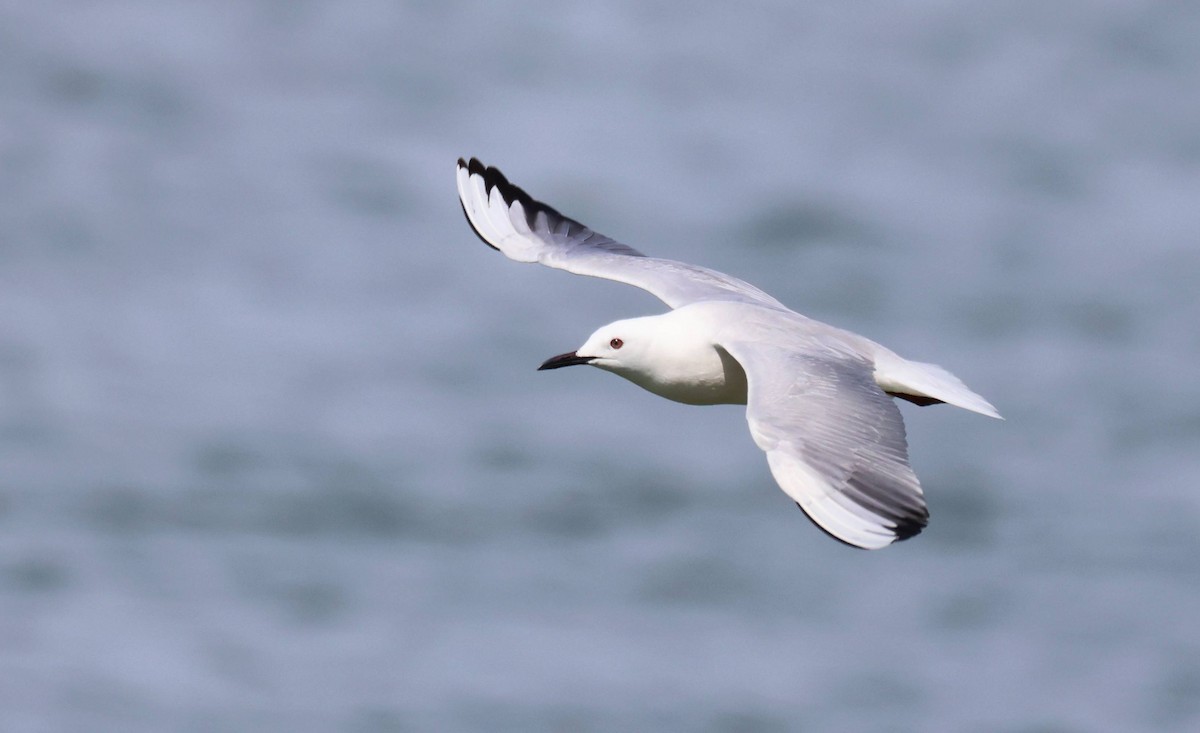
685, 365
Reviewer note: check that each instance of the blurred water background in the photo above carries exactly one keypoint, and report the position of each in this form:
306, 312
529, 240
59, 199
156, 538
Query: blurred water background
274, 455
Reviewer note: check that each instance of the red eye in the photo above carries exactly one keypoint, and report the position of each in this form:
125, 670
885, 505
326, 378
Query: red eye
616, 343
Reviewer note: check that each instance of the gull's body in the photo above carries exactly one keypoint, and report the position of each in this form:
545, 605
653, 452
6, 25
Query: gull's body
819, 399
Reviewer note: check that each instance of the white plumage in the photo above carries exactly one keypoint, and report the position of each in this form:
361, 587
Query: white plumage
818, 398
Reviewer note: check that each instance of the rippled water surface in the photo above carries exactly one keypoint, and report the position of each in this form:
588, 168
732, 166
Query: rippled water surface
274, 455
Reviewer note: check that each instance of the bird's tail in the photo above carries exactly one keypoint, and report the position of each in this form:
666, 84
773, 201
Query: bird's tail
926, 384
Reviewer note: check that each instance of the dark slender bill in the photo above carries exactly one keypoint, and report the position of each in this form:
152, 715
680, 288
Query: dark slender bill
562, 360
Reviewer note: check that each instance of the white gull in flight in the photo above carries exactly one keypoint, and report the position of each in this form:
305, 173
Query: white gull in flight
818, 399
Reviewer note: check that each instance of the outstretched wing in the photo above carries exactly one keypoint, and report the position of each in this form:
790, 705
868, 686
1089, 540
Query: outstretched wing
834, 441
523, 229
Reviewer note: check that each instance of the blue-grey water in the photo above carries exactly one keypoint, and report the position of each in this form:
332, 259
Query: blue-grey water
274, 455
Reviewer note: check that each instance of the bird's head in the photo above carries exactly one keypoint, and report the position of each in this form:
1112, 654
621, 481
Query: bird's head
622, 347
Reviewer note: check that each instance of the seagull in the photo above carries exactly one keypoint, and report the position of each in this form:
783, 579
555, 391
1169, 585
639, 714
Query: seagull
819, 400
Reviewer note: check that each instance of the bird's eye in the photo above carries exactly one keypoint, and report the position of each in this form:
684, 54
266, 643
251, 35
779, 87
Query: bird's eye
616, 343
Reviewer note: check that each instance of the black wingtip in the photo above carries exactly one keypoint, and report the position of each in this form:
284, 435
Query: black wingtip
474, 166
910, 527
921, 400
493, 178
905, 528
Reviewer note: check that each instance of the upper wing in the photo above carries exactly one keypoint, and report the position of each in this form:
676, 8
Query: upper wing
834, 440
509, 220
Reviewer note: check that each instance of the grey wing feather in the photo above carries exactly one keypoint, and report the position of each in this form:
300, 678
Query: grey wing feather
834, 440
526, 230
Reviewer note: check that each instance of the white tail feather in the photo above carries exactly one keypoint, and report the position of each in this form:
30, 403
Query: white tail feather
898, 375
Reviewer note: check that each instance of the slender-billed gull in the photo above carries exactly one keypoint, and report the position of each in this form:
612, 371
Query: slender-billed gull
818, 399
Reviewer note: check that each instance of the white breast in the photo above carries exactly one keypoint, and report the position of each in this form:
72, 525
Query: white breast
711, 377
682, 362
